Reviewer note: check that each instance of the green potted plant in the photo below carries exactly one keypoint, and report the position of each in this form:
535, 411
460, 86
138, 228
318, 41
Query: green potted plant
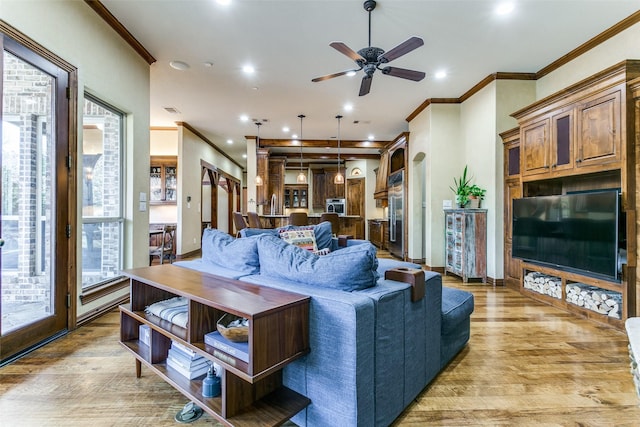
476, 194
461, 189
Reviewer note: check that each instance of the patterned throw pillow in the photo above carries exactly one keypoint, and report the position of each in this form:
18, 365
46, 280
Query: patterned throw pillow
304, 239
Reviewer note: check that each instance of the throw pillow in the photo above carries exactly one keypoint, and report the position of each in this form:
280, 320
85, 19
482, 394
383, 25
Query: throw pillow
304, 239
236, 254
349, 269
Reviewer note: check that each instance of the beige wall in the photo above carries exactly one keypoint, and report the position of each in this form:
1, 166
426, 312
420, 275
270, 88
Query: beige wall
85, 41
192, 149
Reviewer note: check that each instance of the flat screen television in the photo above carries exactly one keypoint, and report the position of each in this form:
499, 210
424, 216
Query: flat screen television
580, 232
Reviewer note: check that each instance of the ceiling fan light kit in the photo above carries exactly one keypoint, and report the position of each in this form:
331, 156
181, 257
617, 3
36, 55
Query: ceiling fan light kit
370, 59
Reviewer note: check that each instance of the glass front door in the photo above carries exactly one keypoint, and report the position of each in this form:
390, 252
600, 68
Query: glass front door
32, 197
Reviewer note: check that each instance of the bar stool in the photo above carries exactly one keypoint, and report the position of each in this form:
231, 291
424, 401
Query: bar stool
254, 220
239, 222
298, 218
334, 219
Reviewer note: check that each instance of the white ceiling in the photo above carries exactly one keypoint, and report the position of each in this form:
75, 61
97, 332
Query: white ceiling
287, 41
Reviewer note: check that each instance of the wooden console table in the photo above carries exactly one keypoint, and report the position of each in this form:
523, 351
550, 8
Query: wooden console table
252, 392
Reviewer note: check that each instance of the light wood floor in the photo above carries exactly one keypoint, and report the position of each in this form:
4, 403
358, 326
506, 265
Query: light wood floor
526, 364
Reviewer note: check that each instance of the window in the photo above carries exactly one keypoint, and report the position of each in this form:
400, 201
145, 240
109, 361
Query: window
102, 213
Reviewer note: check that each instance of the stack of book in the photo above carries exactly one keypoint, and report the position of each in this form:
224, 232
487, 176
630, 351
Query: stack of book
186, 362
239, 350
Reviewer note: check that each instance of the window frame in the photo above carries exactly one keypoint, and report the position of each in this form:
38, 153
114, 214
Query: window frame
107, 285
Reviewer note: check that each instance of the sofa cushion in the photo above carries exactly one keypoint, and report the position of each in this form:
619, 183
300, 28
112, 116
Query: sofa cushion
223, 250
249, 232
457, 306
322, 232
348, 269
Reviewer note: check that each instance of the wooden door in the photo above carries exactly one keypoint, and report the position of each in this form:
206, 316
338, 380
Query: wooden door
512, 266
355, 197
36, 240
319, 193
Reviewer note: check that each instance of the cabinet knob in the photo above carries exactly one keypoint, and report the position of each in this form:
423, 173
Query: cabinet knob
578, 160
554, 165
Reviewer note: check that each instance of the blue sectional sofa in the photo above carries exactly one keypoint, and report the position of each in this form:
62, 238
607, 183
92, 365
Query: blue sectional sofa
373, 350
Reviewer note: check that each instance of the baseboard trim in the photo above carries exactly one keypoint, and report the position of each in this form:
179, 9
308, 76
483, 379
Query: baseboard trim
99, 311
192, 254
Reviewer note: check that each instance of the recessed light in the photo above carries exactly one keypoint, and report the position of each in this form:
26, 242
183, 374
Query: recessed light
505, 8
348, 107
441, 74
229, 141
248, 69
294, 136
179, 65
244, 156
285, 129
351, 73
223, 2
244, 118
371, 138
208, 64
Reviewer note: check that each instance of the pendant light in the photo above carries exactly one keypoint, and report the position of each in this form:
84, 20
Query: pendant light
339, 178
259, 181
302, 177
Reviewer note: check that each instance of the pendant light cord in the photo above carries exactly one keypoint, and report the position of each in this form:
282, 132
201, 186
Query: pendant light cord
301, 116
338, 117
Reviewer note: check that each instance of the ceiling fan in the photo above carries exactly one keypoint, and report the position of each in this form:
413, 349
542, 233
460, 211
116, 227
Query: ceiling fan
371, 58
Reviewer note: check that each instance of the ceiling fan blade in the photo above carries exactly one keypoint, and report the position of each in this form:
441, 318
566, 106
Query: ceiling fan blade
403, 73
346, 50
403, 48
365, 86
330, 76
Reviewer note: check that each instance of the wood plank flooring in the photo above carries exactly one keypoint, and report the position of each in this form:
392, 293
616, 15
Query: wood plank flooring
526, 364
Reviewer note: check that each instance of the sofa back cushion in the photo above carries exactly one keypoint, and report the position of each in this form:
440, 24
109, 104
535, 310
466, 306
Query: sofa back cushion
236, 254
349, 269
321, 232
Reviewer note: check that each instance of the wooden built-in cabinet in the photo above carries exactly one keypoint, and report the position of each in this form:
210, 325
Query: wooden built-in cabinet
276, 184
262, 165
379, 232
324, 188
382, 175
252, 392
466, 243
296, 196
512, 190
582, 138
163, 180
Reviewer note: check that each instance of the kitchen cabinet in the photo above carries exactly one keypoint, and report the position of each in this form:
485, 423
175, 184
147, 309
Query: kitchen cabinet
296, 196
324, 188
379, 232
163, 180
276, 184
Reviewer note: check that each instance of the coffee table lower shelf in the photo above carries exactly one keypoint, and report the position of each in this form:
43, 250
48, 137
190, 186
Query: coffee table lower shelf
271, 410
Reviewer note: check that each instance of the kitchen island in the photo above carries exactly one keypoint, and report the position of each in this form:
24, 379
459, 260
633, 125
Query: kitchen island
349, 224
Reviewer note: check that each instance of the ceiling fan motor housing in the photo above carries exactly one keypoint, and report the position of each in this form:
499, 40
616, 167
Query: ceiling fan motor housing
371, 53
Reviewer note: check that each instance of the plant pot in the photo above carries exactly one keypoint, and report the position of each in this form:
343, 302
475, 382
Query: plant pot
474, 203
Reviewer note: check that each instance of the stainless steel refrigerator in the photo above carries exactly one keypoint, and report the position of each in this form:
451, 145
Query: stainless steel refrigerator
396, 213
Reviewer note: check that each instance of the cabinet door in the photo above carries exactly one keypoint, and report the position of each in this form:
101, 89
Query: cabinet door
562, 125
535, 148
512, 190
599, 139
319, 194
